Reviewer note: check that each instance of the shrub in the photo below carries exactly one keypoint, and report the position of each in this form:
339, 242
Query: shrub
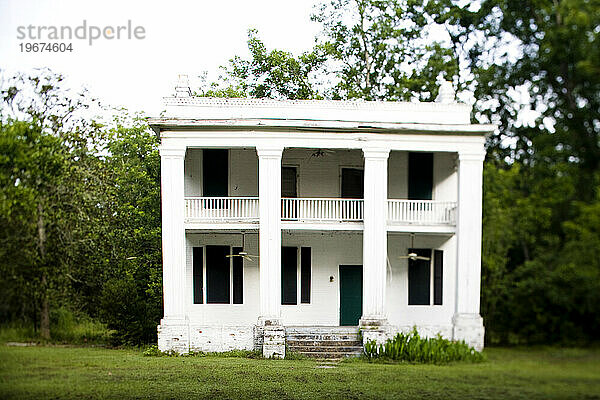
69, 327
411, 347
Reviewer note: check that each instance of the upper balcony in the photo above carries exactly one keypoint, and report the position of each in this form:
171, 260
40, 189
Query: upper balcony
296, 213
321, 189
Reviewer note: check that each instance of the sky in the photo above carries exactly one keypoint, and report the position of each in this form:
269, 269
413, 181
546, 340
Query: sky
179, 37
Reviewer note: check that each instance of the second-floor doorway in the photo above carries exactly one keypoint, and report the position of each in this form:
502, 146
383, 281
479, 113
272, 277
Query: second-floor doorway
289, 188
353, 186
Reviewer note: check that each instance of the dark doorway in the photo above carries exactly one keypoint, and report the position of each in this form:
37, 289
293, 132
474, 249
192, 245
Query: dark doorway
289, 189
288, 182
353, 186
350, 294
420, 176
215, 173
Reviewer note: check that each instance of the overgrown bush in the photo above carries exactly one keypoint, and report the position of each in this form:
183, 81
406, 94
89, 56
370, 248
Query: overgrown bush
69, 327
410, 347
130, 311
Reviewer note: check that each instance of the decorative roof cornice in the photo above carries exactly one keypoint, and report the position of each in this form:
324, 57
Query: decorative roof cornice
208, 108
177, 124
314, 104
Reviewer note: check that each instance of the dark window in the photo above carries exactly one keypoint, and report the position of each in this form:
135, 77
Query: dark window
215, 173
352, 183
288, 182
197, 273
305, 263
217, 274
420, 176
289, 277
419, 278
438, 276
238, 277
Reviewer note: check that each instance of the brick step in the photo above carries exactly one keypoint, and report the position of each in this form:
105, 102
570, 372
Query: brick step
321, 330
324, 343
325, 349
330, 355
321, 337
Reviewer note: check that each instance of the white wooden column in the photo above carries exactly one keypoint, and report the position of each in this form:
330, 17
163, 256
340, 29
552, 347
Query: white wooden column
269, 193
468, 324
375, 235
173, 232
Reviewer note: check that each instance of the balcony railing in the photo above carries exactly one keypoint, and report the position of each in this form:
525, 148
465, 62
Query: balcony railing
423, 212
319, 209
221, 208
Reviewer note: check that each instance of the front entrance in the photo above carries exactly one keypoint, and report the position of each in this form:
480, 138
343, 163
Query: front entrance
350, 294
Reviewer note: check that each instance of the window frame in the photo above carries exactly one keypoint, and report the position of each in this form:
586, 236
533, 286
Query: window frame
204, 283
299, 277
431, 281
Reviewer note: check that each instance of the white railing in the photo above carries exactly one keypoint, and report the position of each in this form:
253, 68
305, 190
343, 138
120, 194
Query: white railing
423, 212
222, 208
318, 209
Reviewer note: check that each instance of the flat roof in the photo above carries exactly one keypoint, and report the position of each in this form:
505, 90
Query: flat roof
207, 113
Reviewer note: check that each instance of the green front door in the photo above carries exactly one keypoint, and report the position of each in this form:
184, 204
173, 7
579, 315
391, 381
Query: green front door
350, 294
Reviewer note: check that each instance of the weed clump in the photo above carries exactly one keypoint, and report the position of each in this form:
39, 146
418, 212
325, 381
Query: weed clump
410, 347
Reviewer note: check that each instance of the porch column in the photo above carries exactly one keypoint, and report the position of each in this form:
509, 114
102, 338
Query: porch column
375, 236
269, 193
468, 324
173, 332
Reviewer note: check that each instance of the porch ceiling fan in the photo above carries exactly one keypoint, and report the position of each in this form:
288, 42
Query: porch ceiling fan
412, 255
243, 253
321, 153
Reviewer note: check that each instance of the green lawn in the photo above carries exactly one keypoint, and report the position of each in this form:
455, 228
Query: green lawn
55, 372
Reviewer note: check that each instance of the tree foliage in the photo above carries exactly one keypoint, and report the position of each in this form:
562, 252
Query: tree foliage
275, 74
79, 210
380, 50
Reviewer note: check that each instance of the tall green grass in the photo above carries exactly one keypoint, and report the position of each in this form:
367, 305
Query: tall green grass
410, 347
66, 327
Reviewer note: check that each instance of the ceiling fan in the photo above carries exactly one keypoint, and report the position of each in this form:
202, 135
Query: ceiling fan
243, 253
412, 255
321, 153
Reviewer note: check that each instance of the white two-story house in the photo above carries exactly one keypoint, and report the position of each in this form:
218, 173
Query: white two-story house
286, 221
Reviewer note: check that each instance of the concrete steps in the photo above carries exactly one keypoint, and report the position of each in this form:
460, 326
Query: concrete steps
324, 342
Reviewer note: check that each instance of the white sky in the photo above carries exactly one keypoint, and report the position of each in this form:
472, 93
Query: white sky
182, 36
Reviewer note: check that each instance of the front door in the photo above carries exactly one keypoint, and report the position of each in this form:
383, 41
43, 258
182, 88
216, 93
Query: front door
350, 294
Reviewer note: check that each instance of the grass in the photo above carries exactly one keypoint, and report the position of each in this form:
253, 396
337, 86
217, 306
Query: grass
65, 327
66, 372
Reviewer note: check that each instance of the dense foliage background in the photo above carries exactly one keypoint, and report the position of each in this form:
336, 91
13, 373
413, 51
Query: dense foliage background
80, 201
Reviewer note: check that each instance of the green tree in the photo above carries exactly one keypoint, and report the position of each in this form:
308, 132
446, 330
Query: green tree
274, 74
131, 293
380, 50
549, 50
48, 173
